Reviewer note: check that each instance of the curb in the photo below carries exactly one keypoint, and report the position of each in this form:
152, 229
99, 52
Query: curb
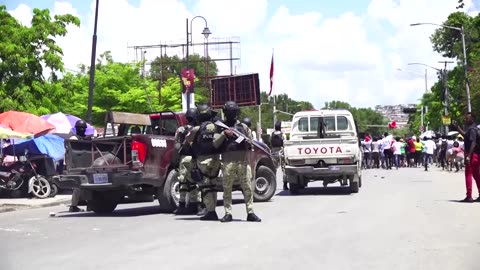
7, 207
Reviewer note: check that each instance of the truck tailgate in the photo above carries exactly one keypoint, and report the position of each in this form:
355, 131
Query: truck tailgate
320, 148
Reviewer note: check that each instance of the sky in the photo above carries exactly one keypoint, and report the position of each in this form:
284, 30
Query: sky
356, 51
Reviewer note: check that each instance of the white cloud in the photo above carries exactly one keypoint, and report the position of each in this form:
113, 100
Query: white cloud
352, 57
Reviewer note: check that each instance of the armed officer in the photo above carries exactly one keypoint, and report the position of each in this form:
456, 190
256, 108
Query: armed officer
235, 161
206, 160
276, 140
184, 151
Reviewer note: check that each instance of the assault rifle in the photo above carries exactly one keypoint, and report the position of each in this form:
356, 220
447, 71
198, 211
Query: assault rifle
241, 137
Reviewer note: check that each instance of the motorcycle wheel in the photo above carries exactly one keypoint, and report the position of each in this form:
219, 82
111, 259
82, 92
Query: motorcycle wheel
41, 188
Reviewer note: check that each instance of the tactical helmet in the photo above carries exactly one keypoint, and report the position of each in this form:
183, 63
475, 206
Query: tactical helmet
231, 109
204, 112
247, 121
191, 115
80, 124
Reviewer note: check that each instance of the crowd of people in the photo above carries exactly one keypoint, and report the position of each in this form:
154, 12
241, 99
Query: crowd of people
454, 151
388, 151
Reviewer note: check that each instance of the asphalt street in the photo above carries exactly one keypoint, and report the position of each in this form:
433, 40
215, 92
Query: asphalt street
405, 219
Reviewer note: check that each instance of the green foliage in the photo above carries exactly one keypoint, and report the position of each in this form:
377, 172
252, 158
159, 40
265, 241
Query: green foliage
448, 42
23, 51
120, 87
166, 67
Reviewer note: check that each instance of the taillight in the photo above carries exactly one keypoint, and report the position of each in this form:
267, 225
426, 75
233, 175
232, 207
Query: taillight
348, 160
139, 151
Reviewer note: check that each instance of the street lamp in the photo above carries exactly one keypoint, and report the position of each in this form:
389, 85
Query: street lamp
206, 32
425, 74
443, 74
465, 68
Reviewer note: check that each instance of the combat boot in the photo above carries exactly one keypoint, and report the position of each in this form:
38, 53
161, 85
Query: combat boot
252, 217
210, 216
227, 218
192, 208
181, 210
201, 210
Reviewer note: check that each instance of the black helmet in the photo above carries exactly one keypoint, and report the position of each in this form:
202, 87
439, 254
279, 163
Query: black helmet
231, 110
191, 115
247, 121
80, 124
278, 126
204, 112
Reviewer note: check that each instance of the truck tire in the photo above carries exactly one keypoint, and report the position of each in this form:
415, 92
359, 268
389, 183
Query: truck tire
167, 195
294, 188
102, 161
101, 205
264, 184
355, 185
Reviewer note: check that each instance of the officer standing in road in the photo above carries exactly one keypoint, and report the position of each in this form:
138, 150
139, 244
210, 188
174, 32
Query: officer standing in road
235, 161
184, 152
206, 160
80, 130
276, 140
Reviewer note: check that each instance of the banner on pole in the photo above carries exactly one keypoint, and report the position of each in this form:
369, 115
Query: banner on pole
188, 80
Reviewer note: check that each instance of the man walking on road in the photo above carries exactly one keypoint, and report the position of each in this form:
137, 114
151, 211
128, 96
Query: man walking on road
429, 150
472, 163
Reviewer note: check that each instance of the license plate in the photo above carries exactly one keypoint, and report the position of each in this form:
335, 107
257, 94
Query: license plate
100, 178
334, 168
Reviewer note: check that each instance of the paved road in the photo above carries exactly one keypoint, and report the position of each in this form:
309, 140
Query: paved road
407, 220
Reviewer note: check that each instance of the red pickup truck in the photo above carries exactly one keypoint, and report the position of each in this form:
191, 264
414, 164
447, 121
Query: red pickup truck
135, 163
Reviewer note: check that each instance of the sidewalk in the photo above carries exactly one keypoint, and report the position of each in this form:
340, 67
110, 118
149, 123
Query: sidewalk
7, 205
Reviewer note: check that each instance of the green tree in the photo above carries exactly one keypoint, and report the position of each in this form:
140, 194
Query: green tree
448, 42
23, 51
165, 67
120, 87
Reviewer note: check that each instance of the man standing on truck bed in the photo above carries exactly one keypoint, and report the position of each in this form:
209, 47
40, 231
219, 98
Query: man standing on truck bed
80, 130
235, 161
205, 160
185, 153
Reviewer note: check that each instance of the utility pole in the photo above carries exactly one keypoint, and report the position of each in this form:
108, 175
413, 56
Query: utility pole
92, 68
446, 94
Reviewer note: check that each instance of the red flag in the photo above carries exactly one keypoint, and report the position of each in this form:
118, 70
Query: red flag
271, 76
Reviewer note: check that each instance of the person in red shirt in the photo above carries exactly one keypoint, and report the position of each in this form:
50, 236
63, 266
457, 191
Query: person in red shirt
472, 153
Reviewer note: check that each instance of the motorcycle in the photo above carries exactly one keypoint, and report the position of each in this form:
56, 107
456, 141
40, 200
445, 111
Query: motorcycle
21, 178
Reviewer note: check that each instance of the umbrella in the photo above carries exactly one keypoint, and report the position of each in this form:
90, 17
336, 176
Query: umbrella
65, 123
6, 133
51, 145
25, 123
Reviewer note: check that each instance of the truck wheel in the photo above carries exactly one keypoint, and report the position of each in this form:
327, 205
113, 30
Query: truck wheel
101, 205
106, 159
354, 185
265, 184
294, 188
169, 194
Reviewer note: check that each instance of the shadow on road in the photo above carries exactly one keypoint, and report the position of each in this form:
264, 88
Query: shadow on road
131, 212
461, 201
336, 191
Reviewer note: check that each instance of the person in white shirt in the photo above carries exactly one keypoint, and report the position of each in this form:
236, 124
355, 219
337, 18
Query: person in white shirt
430, 147
387, 150
375, 153
397, 151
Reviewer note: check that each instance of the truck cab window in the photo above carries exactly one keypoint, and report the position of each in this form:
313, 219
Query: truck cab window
342, 123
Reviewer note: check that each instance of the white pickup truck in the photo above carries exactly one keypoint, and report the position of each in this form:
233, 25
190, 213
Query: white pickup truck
323, 146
